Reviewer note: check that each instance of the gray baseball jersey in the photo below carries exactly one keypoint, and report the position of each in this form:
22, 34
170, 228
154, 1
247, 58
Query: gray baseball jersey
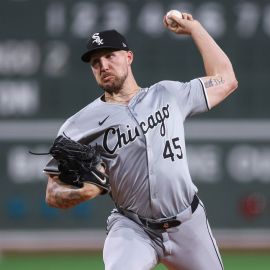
149, 175
148, 170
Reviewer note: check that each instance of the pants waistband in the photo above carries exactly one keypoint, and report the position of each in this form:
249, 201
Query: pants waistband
164, 223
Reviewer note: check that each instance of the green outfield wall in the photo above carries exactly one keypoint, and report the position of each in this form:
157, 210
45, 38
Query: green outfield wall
43, 81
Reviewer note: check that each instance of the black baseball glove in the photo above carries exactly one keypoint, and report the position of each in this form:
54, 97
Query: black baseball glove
79, 163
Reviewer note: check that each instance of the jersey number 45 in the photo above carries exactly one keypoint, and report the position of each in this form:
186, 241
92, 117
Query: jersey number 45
172, 148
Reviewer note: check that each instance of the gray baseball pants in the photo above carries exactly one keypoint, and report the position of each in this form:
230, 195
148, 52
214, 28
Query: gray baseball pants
190, 246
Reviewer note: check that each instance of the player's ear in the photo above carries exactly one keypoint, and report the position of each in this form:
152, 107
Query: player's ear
130, 57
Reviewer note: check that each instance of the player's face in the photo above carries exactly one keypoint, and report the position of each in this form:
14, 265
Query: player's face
110, 69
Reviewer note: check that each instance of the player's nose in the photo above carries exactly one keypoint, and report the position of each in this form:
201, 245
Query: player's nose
104, 65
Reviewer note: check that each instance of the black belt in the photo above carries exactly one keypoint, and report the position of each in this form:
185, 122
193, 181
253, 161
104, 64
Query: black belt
170, 222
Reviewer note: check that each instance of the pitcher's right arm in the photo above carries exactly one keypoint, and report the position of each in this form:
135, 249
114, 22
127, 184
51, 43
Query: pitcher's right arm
65, 196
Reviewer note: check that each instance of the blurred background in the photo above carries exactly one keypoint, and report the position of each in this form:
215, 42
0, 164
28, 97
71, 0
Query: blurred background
43, 82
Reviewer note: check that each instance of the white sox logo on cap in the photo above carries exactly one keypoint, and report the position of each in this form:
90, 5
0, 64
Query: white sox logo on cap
108, 39
97, 39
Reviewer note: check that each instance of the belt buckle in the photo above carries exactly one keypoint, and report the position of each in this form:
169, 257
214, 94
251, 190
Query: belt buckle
150, 223
166, 225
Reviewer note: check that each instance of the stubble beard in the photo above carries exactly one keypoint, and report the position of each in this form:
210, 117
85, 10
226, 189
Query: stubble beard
114, 86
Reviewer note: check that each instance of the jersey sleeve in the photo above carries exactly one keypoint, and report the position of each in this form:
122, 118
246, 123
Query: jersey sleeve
191, 96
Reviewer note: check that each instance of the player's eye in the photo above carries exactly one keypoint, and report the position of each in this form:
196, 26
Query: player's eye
94, 62
109, 55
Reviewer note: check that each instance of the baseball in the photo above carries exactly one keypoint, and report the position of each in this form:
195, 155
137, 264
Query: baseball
169, 15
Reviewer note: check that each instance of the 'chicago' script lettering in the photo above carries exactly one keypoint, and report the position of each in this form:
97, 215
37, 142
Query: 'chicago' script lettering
114, 138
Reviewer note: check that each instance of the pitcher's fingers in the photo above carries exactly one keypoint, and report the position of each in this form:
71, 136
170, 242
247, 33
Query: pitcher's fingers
165, 21
187, 16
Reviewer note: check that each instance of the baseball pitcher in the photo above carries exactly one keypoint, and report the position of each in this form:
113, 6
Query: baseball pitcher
142, 160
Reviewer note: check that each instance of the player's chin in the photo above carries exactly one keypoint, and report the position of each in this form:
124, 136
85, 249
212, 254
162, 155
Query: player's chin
110, 87
113, 84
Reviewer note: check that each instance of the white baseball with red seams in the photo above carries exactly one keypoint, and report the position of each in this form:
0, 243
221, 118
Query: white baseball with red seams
169, 18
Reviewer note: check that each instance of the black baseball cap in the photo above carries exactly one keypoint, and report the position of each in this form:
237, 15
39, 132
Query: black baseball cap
109, 39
